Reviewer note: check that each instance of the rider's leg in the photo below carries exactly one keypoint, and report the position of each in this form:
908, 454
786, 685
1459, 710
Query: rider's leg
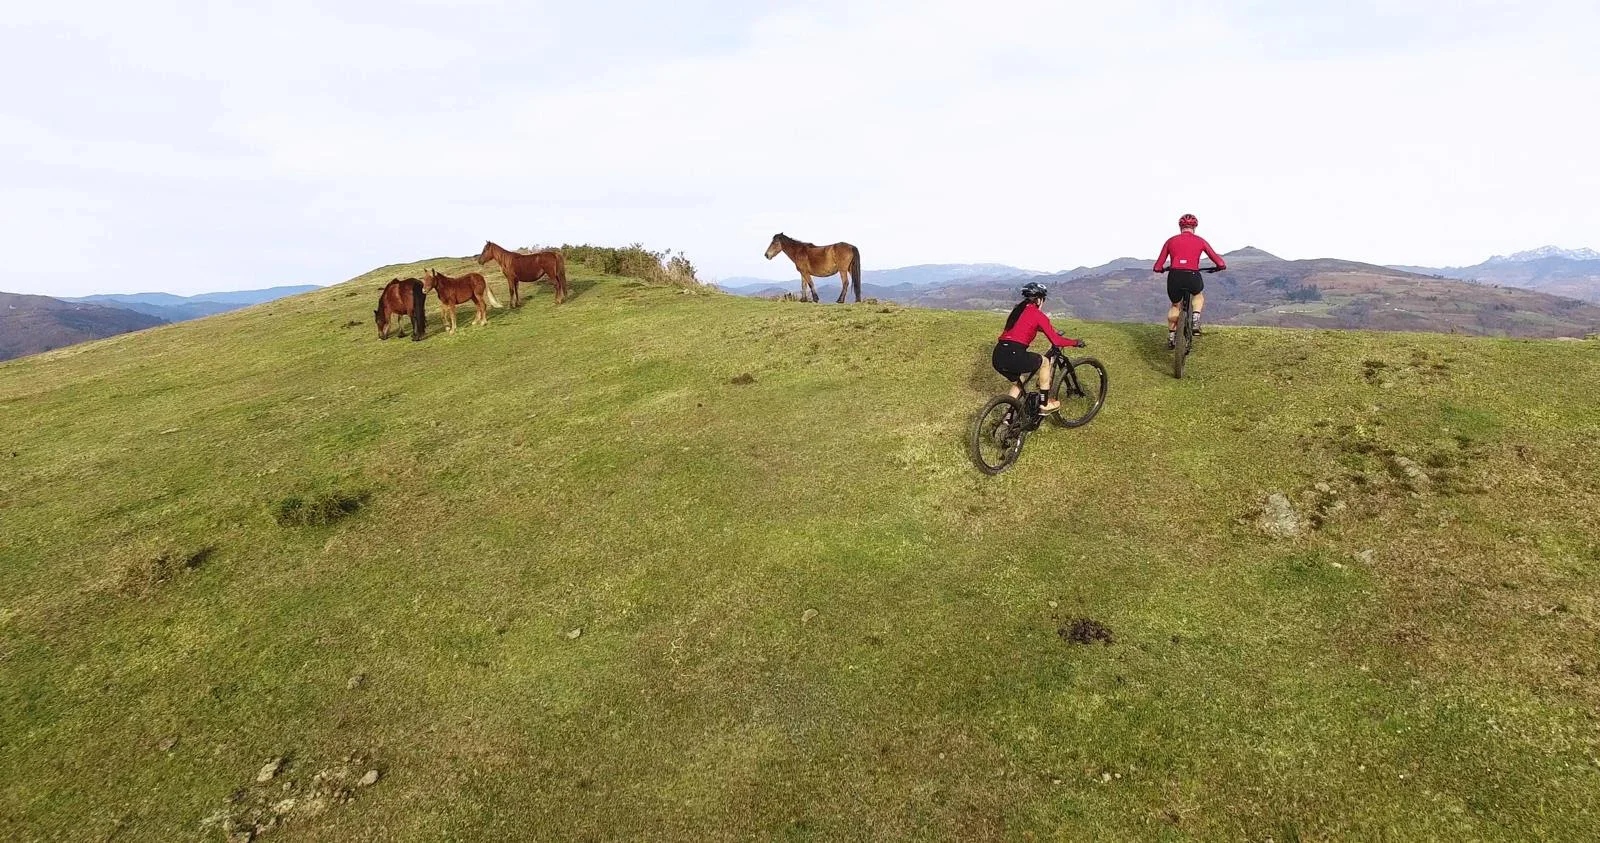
1050, 405
1199, 305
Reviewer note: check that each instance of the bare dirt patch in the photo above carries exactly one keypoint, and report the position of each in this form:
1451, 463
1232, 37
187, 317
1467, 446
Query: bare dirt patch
146, 575
1085, 631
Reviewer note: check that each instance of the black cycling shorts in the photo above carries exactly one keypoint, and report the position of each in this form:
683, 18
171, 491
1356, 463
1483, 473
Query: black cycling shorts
1015, 361
1180, 281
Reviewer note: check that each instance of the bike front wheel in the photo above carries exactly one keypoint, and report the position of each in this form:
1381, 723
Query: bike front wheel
1082, 392
997, 434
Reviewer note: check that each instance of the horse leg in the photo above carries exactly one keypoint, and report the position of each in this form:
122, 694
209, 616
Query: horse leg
844, 285
483, 310
516, 297
808, 288
449, 317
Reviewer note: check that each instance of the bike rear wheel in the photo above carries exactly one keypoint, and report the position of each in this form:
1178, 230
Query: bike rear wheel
1082, 392
1185, 336
998, 433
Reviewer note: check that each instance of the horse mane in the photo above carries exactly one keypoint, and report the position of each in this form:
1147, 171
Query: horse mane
786, 239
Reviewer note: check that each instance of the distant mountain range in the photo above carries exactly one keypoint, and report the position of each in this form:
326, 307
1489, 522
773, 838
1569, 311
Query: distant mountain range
1263, 289
171, 308
31, 324
1547, 252
922, 275
1574, 273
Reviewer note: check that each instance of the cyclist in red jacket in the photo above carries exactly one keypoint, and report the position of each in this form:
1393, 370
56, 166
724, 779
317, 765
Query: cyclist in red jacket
1185, 248
1011, 355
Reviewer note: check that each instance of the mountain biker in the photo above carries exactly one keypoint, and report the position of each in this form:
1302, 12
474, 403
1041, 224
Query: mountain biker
1184, 249
1011, 355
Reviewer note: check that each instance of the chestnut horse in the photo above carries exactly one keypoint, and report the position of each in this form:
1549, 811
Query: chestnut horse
528, 269
454, 291
820, 261
402, 297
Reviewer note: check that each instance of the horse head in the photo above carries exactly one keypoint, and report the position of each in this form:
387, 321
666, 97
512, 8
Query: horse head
776, 246
488, 252
383, 324
429, 280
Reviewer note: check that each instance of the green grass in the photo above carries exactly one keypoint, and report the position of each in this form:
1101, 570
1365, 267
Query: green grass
597, 467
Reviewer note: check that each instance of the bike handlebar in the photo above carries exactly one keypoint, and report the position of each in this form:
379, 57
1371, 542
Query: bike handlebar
1061, 350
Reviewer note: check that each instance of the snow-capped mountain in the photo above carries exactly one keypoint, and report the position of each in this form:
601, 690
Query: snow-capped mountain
1547, 252
1574, 273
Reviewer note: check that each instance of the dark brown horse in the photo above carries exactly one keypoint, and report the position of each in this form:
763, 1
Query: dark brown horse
402, 297
454, 291
528, 269
820, 261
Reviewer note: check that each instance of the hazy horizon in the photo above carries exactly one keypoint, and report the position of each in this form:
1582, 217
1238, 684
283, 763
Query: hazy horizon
192, 147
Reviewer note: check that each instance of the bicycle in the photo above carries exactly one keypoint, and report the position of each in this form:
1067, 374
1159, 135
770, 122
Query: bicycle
1005, 422
1183, 340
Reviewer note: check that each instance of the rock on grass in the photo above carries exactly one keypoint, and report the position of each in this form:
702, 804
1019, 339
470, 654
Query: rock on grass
1278, 517
269, 771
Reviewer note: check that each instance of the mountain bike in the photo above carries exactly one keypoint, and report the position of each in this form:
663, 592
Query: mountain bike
1005, 422
1183, 340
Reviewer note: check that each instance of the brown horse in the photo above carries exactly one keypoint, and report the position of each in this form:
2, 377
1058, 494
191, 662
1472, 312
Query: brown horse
454, 291
820, 261
402, 297
528, 269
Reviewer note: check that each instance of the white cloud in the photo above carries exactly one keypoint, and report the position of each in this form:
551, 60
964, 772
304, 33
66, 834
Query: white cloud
1045, 134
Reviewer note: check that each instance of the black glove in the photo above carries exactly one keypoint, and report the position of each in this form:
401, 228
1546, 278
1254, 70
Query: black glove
1083, 343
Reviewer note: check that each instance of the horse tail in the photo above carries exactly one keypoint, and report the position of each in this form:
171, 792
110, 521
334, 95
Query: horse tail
561, 277
419, 311
855, 270
489, 293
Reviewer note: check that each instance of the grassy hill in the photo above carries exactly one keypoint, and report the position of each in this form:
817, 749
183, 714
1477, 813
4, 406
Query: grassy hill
665, 565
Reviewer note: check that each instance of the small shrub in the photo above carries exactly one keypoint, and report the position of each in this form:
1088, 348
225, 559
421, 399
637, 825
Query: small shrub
635, 261
317, 510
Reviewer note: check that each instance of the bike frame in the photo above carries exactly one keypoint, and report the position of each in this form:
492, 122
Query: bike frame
1064, 369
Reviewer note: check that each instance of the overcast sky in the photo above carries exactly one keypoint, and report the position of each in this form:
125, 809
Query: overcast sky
196, 146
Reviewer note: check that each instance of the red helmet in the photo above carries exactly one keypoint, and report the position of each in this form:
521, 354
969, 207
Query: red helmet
1188, 221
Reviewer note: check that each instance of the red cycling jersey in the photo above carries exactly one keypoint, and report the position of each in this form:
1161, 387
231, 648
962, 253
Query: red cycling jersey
1185, 249
1031, 321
